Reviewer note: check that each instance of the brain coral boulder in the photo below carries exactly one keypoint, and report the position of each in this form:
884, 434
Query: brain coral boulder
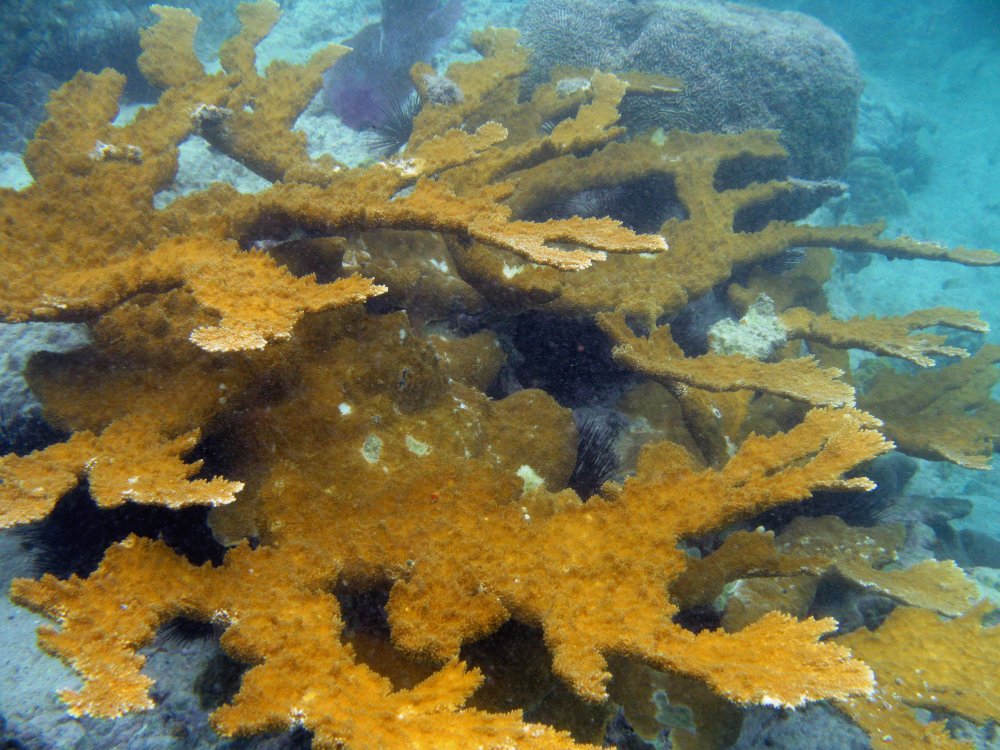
742, 68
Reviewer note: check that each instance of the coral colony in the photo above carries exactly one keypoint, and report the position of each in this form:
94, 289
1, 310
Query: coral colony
299, 332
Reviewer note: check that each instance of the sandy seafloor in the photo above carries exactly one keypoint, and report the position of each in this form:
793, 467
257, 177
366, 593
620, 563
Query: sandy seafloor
935, 64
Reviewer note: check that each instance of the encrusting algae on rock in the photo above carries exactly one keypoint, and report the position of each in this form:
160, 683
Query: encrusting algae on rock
362, 450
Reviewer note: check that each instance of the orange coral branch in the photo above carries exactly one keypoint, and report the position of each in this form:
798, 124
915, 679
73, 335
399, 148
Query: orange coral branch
866, 240
888, 336
658, 357
500, 71
941, 414
861, 555
784, 573
129, 461
653, 288
954, 669
96, 265
432, 205
282, 688
244, 115
743, 554
535, 568
373, 460
259, 301
168, 58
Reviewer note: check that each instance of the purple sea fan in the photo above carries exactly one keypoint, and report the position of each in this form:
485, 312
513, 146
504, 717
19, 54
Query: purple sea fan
369, 83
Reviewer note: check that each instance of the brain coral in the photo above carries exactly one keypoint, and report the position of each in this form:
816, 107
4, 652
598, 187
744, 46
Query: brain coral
742, 68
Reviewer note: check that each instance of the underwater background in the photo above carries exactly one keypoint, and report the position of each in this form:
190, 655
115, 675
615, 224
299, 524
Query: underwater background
923, 155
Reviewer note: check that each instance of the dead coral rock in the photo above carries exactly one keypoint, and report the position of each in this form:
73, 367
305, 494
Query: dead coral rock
534, 434
749, 600
417, 271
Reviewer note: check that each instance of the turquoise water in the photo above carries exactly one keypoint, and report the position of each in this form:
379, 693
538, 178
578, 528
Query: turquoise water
916, 88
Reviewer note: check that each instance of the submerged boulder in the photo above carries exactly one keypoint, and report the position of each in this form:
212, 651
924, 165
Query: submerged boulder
742, 68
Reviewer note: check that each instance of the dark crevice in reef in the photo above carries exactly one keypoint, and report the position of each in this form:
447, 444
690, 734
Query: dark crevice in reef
517, 670
72, 539
642, 205
568, 358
